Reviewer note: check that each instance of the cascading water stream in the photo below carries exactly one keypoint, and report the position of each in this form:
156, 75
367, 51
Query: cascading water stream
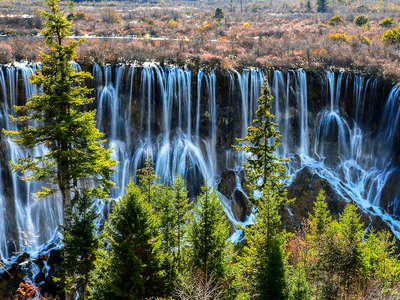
25, 222
153, 110
302, 102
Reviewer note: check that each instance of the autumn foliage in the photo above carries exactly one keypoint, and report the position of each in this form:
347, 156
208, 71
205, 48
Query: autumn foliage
26, 291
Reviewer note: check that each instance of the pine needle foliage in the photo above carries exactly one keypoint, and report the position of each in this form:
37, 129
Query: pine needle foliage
128, 262
264, 168
181, 207
335, 256
319, 221
55, 118
147, 179
80, 244
208, 253
263, 264
207, 236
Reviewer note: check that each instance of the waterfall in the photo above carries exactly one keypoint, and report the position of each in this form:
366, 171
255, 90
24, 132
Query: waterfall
301, 86
176, 116
25, 222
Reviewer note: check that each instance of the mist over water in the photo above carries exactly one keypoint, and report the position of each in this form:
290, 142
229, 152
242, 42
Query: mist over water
182, 118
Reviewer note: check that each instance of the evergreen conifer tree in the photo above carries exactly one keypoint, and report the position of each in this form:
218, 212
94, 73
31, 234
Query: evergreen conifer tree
128, 262
322, 5
379, 260
181, 207
350, 238
80, 244
166, 239
57, 120
147, 179
299, 287
323, 249
172, 210
263, 262
335, 249
308, 6
208, 250
218, 14
207, 236
264, 168
76, 158
319, 221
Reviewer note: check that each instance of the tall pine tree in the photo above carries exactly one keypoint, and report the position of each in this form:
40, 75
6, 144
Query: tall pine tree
147, 179
128, 262
172, 210
264, 168
166, 238
80, 245
182, 210
263, 263
209, 251
56, 118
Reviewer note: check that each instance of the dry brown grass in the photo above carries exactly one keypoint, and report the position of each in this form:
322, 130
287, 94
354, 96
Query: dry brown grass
283, 40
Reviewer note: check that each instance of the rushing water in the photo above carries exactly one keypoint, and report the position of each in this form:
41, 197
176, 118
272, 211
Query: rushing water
178, 119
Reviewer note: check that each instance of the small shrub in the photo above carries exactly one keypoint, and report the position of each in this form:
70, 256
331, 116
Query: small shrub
27, 290
361, 20
254, 7
335, 21
363, 39
246, 25
218, 14
70, 17
150, 21
387, 22
391, 36
111, 16
340, 37
5, 53
172, 23
361, 8
80, 16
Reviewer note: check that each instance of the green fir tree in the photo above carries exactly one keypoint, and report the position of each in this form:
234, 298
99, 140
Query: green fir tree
207, 235
167, 239
173, 213
299, 288
319, 221
147, 179
263, 264
322, 5
80, 244
56, 118
264, 168
350, 234
208, 250
128, 261
218, 14
181, 207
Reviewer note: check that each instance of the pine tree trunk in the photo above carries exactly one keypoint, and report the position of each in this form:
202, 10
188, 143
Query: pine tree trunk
66, 207
64, 187
85, 287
